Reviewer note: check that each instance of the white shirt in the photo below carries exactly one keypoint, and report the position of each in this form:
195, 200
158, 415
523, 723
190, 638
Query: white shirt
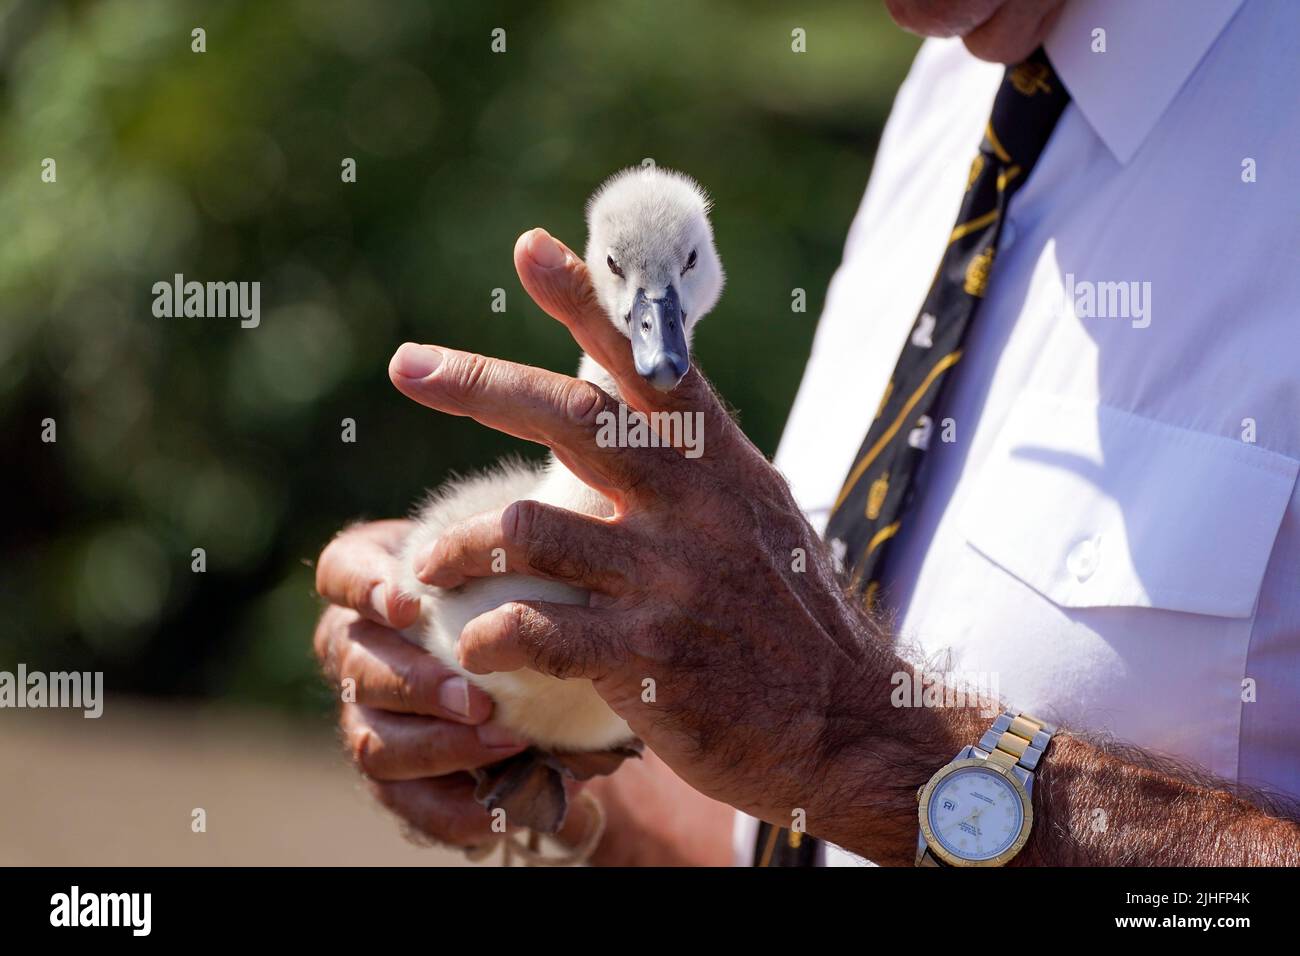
1115, 531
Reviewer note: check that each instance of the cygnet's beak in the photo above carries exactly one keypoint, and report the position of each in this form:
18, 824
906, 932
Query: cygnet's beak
658, 335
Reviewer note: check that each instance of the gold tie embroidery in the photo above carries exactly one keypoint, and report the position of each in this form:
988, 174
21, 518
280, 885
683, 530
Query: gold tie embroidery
876, 496
977, 273
1030, 78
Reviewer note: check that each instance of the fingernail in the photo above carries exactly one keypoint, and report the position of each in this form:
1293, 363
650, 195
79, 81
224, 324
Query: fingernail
379, 600
499, 738
440, 577
416, 361
544, 250
453, 695
402, 608
421, 563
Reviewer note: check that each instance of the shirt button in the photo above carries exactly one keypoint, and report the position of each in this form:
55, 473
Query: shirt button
1084, 558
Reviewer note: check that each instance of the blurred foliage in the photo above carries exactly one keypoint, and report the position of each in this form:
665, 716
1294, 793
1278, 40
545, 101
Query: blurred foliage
182, 433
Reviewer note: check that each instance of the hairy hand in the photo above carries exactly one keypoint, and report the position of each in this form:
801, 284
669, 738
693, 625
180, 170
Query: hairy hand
716, 627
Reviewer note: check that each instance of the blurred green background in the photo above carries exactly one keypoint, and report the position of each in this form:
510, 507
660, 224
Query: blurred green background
180, 433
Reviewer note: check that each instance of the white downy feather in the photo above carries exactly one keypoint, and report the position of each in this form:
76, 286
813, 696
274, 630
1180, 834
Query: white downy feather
650, 220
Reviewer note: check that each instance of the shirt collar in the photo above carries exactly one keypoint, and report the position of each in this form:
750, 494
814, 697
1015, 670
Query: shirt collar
1152, 47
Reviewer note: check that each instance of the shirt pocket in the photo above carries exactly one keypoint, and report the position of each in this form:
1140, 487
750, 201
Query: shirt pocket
1095, 507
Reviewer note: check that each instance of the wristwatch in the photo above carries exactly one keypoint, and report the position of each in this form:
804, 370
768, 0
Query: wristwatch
979, 809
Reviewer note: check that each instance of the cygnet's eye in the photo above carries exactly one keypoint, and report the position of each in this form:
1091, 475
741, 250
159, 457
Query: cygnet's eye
613, 267
690, 263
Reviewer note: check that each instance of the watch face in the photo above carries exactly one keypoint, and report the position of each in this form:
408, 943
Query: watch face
975, 813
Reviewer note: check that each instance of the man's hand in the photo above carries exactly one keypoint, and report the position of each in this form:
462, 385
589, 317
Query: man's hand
413, 727
416, 727
716, 626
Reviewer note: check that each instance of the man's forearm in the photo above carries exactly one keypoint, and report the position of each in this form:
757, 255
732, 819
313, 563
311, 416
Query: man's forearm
1095, 803
1098, 803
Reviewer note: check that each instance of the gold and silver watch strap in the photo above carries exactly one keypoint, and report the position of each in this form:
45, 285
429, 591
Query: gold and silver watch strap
1015, 740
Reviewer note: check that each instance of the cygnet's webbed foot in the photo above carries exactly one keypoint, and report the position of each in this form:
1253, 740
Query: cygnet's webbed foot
530, 786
